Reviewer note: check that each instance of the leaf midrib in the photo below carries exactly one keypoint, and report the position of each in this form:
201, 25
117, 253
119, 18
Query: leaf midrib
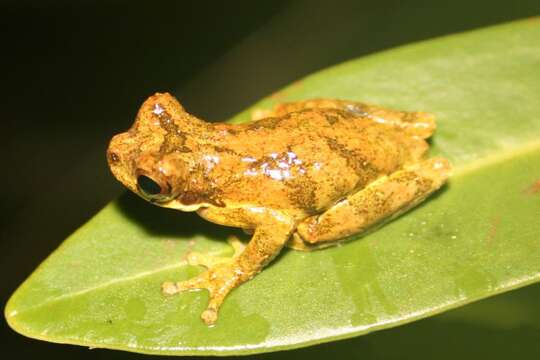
487, 161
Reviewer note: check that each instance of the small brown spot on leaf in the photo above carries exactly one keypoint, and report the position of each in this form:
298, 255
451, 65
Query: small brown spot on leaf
492, 231
533, 189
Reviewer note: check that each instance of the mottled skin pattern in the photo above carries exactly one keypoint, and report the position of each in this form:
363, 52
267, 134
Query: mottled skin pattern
305, 174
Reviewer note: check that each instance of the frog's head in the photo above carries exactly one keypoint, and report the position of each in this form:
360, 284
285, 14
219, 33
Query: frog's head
155, 158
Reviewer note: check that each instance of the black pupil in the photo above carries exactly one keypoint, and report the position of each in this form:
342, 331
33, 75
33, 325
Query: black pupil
148, 185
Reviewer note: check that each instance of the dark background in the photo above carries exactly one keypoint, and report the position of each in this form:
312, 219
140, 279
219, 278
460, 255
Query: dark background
75, 72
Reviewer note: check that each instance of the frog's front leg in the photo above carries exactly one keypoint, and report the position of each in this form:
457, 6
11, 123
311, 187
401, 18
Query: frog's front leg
382, 200
272, 230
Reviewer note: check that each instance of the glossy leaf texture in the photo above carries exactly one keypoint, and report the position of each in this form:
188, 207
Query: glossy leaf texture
477, 237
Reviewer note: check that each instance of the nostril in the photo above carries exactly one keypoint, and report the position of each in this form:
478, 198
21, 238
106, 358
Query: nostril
149, 186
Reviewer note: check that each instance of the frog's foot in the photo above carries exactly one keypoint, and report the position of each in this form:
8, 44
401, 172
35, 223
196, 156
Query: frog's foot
219, 279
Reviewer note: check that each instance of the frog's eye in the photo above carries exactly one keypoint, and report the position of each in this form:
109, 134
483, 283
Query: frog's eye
148, 186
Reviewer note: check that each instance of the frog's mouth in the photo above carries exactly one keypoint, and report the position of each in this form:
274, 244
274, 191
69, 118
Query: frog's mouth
177, 205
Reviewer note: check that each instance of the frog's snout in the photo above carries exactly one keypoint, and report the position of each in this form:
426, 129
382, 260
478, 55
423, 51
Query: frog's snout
114, 150
118, 153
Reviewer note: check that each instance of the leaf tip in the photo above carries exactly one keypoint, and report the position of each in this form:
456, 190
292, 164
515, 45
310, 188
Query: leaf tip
11, 314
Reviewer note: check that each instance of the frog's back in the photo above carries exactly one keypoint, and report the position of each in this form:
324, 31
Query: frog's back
309, 159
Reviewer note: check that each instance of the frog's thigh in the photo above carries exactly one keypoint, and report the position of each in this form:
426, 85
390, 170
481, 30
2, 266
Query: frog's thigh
288, 107
282, 109
385, 198
416, 123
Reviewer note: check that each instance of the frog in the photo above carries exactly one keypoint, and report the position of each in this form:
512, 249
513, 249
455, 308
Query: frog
305, 174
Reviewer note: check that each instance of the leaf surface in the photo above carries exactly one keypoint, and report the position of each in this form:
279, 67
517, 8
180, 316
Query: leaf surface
477, 237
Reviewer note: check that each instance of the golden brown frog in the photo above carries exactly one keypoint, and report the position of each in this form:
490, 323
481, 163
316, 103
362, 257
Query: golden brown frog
306, 174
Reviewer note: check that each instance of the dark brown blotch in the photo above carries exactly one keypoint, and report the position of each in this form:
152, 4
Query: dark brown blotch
302, 193
189, 198
363, 168
224, 150
166, 122
266, 123
331, 119
174, 139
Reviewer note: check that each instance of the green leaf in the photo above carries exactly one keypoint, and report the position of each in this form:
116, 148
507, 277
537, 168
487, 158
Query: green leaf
479, 236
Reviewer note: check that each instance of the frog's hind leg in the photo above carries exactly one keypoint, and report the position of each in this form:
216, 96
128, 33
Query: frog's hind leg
416, 123
288, 107
382, 200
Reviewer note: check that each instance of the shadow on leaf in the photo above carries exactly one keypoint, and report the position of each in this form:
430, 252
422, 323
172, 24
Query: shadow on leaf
164, 222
